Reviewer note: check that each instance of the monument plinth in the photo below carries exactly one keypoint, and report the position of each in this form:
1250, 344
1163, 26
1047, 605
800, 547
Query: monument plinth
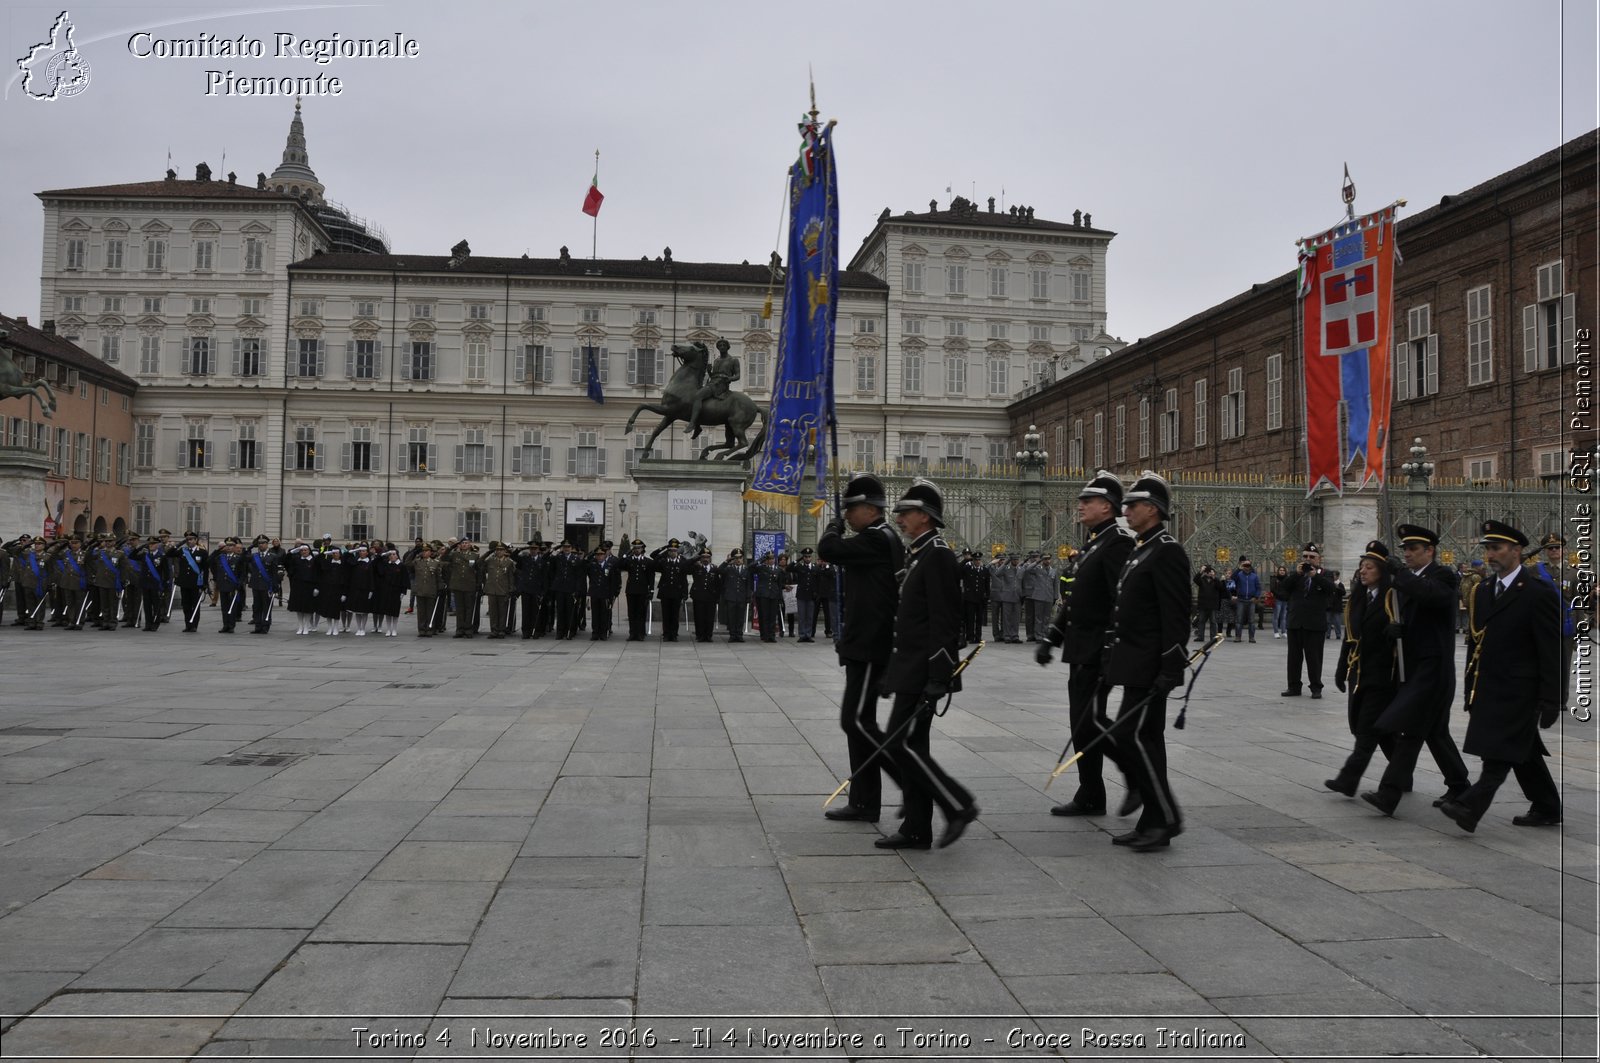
22, 494
687, 500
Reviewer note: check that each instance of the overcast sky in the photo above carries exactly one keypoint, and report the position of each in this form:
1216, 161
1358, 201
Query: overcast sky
1208, 136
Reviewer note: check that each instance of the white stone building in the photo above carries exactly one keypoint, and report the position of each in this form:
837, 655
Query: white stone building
298, 379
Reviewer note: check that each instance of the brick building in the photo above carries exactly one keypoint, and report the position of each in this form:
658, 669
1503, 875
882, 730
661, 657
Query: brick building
1494, 284
87, 440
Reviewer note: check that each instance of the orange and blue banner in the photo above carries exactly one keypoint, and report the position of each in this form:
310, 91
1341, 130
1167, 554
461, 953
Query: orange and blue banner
1347, 297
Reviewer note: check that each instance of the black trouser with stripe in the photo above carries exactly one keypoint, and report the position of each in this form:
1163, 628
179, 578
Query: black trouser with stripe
1533, 775
1143, 750
924, 783
858, 719
1086, 711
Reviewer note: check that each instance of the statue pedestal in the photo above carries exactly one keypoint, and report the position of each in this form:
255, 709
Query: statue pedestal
22, 495
1348, 524
679, 497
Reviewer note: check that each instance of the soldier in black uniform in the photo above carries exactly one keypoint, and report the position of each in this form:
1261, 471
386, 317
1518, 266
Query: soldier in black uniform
129, 568
567, 581
1080, 629
265, 577
1423, 621
1308, 590
974, 595
736, 587
641, 583
1513, 683
1145, 656
767, 587
805, 576
228, 579
1366, 667
827, 592
189, 562
672, 586
871, 560
705, 593
605, 583
927, 639
531, 569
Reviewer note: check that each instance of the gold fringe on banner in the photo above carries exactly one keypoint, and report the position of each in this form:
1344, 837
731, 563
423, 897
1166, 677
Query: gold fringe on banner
773, 500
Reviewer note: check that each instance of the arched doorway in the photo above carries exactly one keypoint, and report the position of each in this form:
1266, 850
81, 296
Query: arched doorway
80, 525
119, 528
99, 525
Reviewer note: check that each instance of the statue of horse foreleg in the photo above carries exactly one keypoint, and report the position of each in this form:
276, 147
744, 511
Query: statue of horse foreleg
666, 422
637, 410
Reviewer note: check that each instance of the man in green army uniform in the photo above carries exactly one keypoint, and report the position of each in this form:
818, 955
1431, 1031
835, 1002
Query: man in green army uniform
499, 585
106, 575
427, 583
461, 576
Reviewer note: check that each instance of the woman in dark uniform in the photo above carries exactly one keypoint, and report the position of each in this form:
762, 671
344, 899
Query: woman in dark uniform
302, 568
332, 579
388, 591
358, 587
1366, 666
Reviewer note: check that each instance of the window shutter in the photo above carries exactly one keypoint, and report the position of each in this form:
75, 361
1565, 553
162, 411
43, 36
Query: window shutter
488, 458
322, 357
183, 453
1568, 333
1530, 337
233, 455
577, 365
516, 461
377, 457
461, 457
288, 455
235, 357
544, 461
433, 458
1431, 366
603, 356
316, 463
461, 524
519, 365
633, 366
344, 457
377, 359
188, 358
1402, 371
572, 461
547, 365
661, 367
350, 359
600, 455
205, 454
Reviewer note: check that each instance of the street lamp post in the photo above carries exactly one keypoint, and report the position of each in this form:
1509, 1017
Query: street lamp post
1418, 471
548, 505
622, 509
1031, 459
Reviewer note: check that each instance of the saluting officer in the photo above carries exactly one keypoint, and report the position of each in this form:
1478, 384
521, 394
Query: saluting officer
265, 577
641, 582
1513, 683
106, 574
705, 592
461, 575
32, 577
532, 584
974, 595
1145, 656
871, 559
427, 583
672, 586
736, 587
1423, 621
927, 639
189, 562
1079, 628
605, 583
499, 588
302, 569
228, 581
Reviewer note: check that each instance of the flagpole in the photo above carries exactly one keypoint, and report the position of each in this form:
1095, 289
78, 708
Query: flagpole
594, 236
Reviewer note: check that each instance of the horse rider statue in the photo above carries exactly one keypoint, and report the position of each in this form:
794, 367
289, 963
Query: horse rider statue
719, 379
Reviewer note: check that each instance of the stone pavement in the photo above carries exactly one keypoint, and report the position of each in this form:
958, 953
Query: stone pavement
219, 847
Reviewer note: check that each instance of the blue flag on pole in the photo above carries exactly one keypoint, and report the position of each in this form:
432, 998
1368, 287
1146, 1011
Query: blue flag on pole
802, 387
591, 368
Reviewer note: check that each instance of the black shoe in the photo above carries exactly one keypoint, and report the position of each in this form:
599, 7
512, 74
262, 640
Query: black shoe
1126, 839
1462, 815
851, 813
804, 639
1155, 838
1073, 808
900, 841
1346, 788
737, 638
1316, 693
958, 826
1131, 803
1288, 693
1378, 801
1537, 819
1449, 795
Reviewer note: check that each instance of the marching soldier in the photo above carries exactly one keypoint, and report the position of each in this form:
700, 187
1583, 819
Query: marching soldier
641, 582
1366, 667
1145, 656
499, 588
1512, 683
189, 563
427, 582
871, 559
228, 582
927, 639
736, 581
672, 586
1079, 628
704, 593
1423, 622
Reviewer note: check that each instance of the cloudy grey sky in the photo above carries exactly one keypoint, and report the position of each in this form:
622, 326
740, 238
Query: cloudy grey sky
1207, 135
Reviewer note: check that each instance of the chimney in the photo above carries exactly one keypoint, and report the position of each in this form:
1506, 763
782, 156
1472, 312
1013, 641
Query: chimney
991, 204
49, 328
172, 175
1088, 222
22, 319
202, 172
233, 178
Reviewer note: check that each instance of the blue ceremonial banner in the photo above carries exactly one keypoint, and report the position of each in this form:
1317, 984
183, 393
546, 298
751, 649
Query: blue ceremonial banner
591, 363
802, 386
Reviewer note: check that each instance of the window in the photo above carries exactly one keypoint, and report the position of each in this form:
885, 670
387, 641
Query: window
1202, 420
1233, 405
144, 444
1169, 423
955, 329
418, 457
1080, 286
1041, 370
1547, 325
152, 304
77, 252
72, 304
997, 282
998, 452
866, 371
155, 254
646, 317
115, 249
310, 308
1099, 440
955, 280
755, 322
1144, 428
1119, 434
474, 455
197, 360
911, 374
63, 454
531, 457
420, 365
1480, 468
248, 357
591, 316
361, 453
999, 330
199, 305
469, 524
245, 453
1039, 283
580, 365
254, 253
149, 354
111, 347
911, 326
478, 311
1274, 393
195, 454
865, 450
536, 314
194, 517
700, 318
588, 458
632, 455
646, 367
81, 455
300, 521
1416, 368
111, 304
1075, 445
866, 326
310, 360
533, 364
1480, 336
955, 451
417, 524
955, 374
421, 311
359, 525
1038, 333
250, 307
999, 376
475, 364
912, 457
205, 253
243, 521
756, 361
366, 308
143, 518
304, 457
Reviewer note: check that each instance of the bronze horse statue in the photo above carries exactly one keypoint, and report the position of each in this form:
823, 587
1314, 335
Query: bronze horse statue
14, 386
735, 411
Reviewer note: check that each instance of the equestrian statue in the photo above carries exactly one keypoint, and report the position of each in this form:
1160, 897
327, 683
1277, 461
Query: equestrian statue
697, 401
14, 386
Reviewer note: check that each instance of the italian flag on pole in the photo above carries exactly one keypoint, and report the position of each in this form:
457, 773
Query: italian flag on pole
592, 201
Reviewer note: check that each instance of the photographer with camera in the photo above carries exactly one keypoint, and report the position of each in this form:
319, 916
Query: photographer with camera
1308, 591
